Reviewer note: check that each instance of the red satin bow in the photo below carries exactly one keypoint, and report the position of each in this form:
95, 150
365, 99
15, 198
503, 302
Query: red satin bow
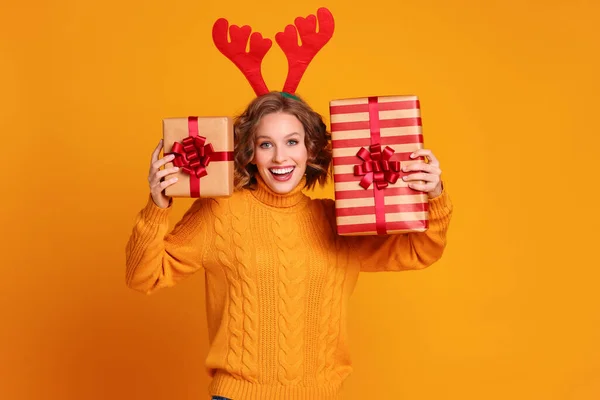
377, 167
192, 155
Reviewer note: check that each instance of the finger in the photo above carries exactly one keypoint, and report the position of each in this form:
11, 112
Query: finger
160, 186
167, 182
421, 166
167, 171
159, 163
156, 151
426, 153
421, 177
160, 174
155, 166
422, 187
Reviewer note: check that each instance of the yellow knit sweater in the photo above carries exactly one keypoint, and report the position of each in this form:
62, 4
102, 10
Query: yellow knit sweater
278, 281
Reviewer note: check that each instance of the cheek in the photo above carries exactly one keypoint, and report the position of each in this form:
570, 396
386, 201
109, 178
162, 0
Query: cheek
301, 154
260, 158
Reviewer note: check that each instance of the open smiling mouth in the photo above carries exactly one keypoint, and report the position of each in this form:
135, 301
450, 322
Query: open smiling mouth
282, 174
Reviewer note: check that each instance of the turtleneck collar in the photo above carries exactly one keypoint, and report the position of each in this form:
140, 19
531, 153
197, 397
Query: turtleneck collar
264, 194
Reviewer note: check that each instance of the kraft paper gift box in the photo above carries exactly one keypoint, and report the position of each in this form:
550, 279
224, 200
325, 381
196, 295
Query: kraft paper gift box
372, 139
203, 148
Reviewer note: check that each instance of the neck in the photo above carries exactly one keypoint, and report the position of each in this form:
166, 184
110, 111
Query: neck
281, 200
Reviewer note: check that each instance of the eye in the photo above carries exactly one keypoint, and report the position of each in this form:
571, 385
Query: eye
264, 145
292, 142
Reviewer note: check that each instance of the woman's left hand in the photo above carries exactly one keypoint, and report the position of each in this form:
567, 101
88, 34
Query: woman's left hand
429, 173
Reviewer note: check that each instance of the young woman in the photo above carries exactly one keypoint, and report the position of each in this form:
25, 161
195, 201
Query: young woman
278, 277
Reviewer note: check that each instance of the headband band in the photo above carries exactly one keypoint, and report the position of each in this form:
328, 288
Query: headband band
290, 96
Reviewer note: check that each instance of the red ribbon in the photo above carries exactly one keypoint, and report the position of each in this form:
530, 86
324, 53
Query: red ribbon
193, 155
376, 155
377, 167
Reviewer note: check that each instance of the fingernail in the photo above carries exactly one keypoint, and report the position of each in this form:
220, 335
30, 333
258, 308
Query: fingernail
412, 155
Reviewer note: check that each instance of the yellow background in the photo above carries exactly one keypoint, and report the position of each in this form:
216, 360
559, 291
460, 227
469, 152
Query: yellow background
509, 93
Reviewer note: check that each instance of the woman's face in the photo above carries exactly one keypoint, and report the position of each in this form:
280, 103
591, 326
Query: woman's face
279, 151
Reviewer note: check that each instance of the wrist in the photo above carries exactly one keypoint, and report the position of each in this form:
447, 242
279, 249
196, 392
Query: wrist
436, 192
163, 203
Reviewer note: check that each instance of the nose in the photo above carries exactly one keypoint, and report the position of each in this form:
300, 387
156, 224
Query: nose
279, 155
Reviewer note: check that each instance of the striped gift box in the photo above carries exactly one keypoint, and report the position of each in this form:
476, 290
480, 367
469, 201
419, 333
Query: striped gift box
372, 138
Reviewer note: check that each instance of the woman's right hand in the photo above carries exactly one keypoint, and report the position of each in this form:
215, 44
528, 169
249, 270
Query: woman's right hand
156, 177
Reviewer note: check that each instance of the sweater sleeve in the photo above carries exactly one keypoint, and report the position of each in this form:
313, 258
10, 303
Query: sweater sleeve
156, 258
410, 251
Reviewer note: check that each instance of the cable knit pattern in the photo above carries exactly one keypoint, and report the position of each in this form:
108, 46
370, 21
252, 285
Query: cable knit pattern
236, 313
292, 271
325, 321
316, 279
135, 248
239, 222
278, 283
333, 334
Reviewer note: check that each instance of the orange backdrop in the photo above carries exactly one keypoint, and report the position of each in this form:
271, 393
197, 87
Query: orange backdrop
509, 94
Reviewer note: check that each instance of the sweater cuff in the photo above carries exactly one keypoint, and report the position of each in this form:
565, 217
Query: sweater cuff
440, 207
155, 215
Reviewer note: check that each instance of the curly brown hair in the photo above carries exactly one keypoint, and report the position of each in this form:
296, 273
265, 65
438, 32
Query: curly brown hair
317, 138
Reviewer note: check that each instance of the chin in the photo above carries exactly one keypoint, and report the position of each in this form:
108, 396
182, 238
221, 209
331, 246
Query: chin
282, 187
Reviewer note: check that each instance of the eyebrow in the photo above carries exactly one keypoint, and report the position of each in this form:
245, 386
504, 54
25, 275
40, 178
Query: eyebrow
268, 137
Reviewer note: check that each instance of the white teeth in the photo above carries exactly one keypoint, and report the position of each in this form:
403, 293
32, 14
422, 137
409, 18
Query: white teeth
281, 171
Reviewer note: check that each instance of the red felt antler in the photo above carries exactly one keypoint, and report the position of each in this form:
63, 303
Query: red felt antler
312, 41
248, 62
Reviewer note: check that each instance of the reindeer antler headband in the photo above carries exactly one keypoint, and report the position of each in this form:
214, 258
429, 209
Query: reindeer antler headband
299, 57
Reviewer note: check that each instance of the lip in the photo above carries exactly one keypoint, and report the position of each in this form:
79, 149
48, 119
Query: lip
282, 178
